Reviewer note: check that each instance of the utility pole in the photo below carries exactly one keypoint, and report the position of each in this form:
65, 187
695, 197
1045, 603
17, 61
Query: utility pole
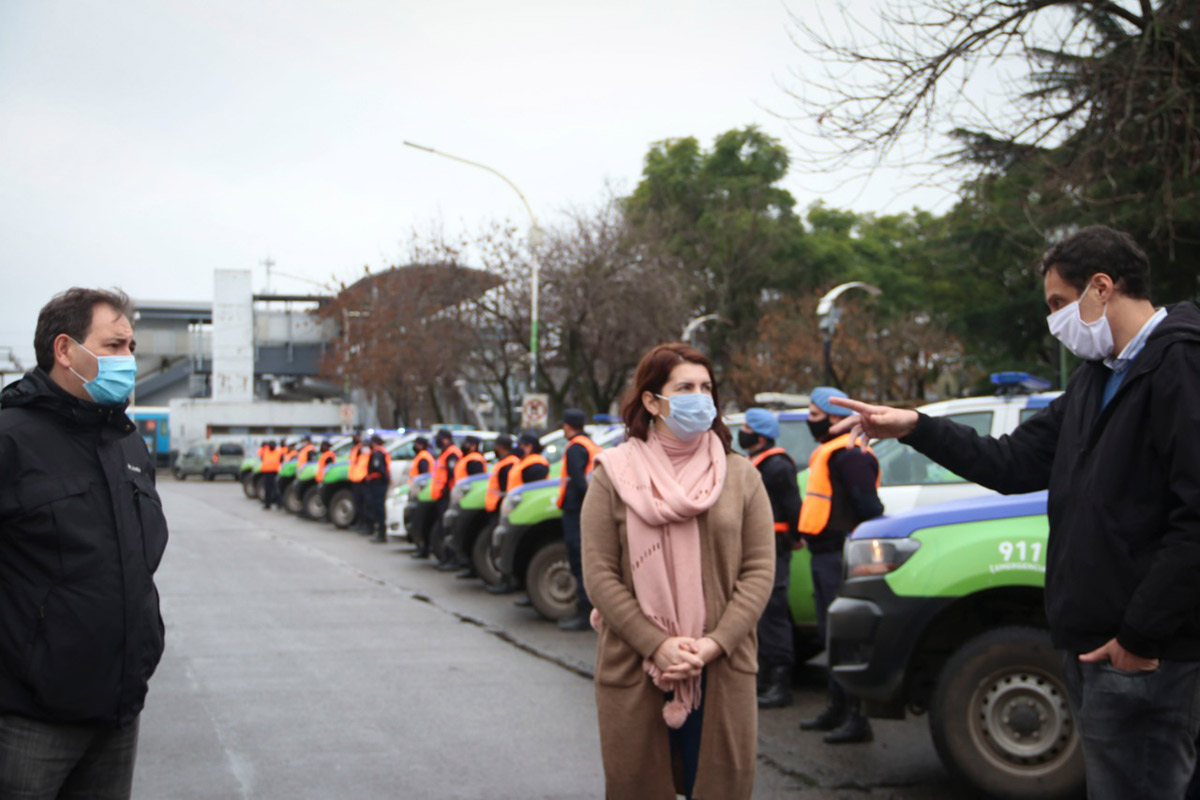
268, 262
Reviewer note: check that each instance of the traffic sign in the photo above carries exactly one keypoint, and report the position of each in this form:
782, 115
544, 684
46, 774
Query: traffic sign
535, 411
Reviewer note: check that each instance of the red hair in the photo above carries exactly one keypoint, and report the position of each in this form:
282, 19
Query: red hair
651, 376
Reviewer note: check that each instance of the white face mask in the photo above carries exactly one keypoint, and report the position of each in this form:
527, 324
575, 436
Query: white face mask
1091, 341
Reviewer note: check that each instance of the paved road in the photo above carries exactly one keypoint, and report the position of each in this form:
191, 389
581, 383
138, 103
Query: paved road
305, 662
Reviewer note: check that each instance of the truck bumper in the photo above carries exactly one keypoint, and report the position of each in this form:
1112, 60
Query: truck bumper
506, 538
873, 634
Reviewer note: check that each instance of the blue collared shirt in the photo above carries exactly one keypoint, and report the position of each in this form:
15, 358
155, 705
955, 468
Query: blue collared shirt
1120, 364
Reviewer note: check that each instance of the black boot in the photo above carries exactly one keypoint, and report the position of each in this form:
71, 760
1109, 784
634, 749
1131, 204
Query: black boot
449, 565
827, 720
467, 574
503, 587
855, 729
777, 687
581, 620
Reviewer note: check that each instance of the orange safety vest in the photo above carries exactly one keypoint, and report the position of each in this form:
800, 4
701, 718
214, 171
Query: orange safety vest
358, 465
271, 459
304, 454
818, 499
780, 527
423, 457
324, 462
262, 448
514, 475
593, 451
442, 479
460, 469
494, 491
375, 476
288, 454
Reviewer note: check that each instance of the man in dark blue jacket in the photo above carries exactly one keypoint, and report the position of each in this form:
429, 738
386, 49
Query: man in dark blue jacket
1118, 453
81, 534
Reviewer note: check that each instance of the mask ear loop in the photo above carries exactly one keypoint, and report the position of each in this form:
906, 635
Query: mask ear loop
90, 353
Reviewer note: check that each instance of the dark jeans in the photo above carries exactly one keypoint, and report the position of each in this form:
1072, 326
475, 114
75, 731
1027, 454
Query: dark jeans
49, 761
573, 539
685, 742
775, 644
270, 488
375, 506
1138, 729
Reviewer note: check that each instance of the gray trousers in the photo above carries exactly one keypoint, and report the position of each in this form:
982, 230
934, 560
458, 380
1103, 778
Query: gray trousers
1138, 729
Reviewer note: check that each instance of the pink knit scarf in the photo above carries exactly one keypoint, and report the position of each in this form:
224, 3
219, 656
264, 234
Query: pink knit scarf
665, 484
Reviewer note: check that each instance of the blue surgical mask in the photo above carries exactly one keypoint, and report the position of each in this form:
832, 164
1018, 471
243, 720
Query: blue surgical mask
114, 378
691, 414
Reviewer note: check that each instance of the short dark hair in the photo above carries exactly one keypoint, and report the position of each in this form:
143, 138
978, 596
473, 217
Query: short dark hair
71, 312
1097, 249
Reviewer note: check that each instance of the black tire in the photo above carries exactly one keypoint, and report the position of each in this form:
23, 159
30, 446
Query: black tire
179, 474
293, 501
248, 485
342, 509
314, 506
1000, 719
260, 487
208, 476
549, 582
481, 557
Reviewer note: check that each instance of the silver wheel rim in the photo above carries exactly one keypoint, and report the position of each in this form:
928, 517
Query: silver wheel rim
559, 584
1021, 721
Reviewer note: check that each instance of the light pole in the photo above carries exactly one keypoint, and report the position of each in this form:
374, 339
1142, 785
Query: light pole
828, 315
535, 240
689, 331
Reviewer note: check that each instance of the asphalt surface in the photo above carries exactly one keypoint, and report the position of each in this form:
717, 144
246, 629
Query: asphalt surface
305, 662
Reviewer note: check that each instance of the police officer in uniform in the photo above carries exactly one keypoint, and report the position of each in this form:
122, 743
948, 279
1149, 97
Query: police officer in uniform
776, 654
578, 460
272, 460
841, 493
376, 482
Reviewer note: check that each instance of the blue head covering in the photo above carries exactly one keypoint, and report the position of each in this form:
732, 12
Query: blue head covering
820, 398
762, 422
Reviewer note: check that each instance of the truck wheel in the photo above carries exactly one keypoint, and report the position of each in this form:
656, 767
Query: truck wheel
248, 485
481, 557
292, 500
342, 509
550, 584
1000, 719
208, 475
314, 506
179, 474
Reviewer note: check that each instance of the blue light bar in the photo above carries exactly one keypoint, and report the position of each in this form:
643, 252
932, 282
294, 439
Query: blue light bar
1019, 380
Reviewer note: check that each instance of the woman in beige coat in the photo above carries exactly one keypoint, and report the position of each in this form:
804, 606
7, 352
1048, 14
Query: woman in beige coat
678, 559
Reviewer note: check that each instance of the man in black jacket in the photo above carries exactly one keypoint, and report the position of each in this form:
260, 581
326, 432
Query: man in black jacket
1118, 453
81, 534
776, 653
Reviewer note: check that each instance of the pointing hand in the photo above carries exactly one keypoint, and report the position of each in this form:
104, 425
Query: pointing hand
876, 422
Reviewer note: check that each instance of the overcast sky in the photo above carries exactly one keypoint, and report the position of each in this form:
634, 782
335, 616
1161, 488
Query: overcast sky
144, 143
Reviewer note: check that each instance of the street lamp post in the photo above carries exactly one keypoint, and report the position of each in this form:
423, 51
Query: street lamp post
828, 316
536, 237
689, 331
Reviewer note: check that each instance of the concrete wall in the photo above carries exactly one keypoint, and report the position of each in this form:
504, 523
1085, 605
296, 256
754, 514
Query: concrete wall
233, 336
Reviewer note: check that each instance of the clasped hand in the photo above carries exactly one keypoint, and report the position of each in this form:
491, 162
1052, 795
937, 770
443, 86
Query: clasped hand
682, 657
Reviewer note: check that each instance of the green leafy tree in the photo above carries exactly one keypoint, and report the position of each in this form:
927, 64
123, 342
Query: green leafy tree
721, 218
